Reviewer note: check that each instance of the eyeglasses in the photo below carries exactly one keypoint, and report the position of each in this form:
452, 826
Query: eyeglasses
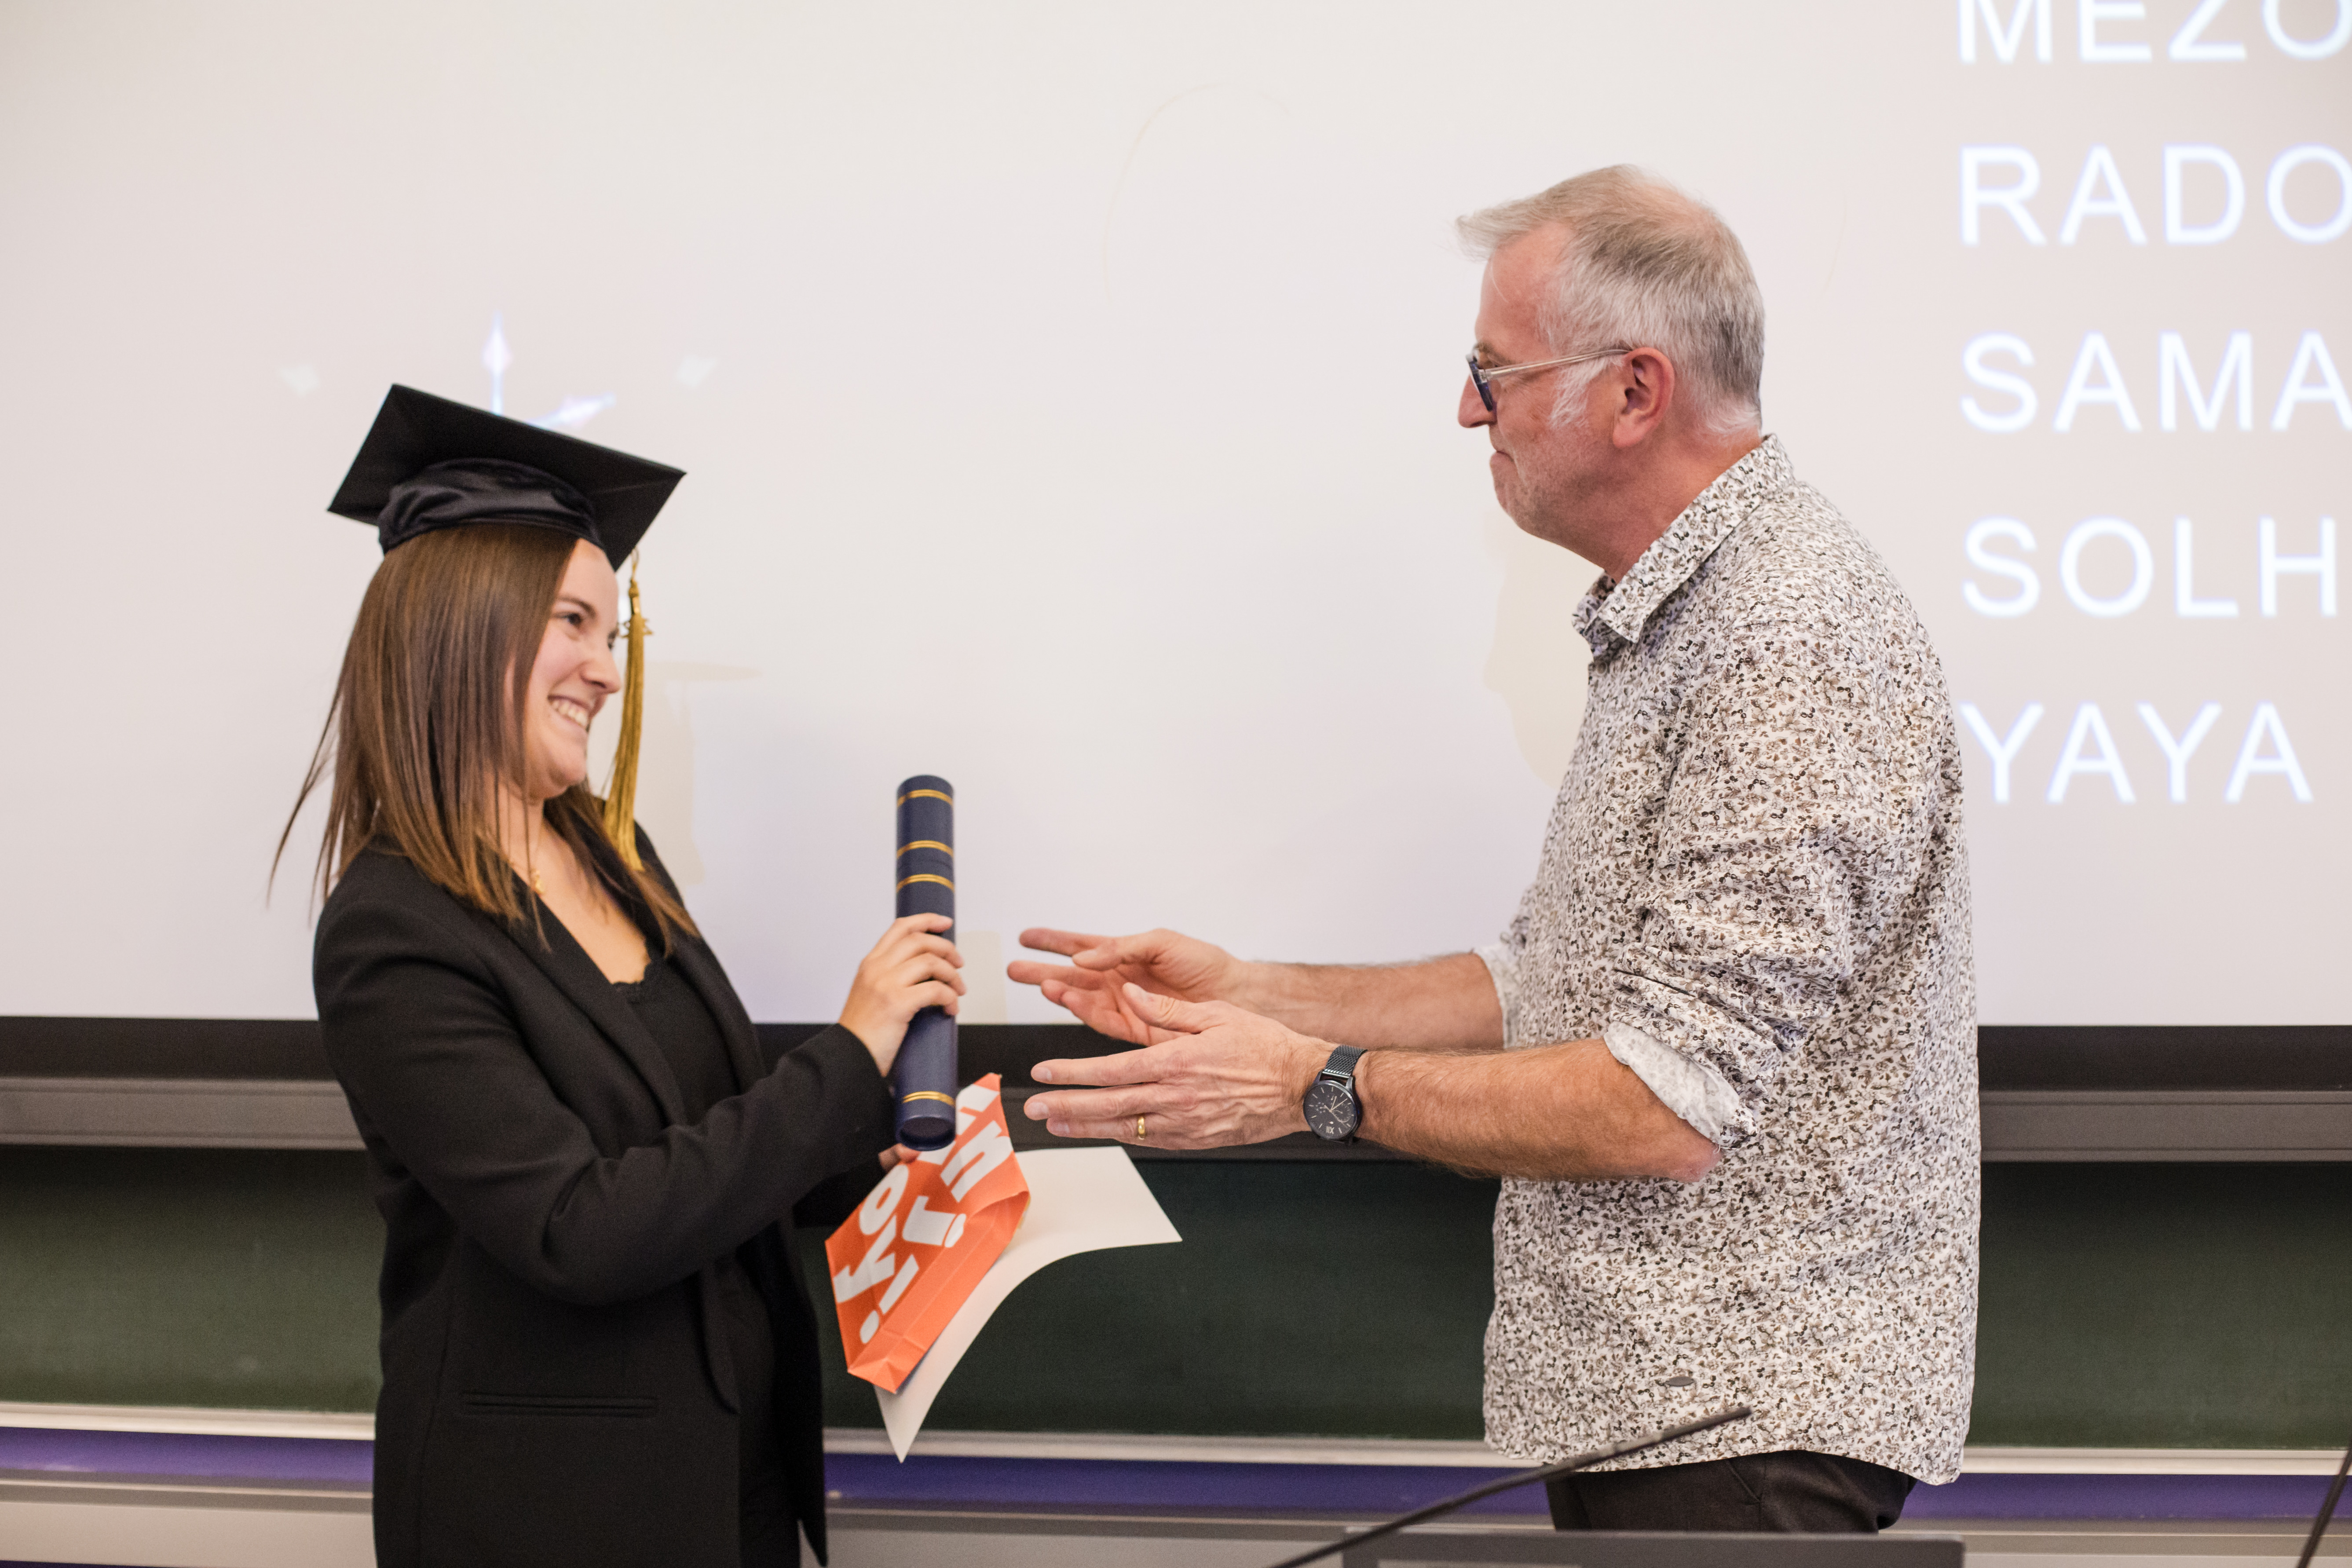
1483, 376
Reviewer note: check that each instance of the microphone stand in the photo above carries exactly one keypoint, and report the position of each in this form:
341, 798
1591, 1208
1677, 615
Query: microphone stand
2326, 1511
1528, 1477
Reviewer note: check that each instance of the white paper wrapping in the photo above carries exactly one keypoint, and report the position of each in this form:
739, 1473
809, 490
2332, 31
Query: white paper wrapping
1080, 1200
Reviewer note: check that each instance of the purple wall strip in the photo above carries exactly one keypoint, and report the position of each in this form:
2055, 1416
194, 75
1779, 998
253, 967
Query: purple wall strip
878, 1480
2121, 1497
335, 1461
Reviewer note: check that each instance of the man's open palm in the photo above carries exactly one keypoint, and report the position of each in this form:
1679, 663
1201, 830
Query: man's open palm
1090, 985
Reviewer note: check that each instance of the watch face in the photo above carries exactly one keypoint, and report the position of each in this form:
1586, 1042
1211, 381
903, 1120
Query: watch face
1332, 1110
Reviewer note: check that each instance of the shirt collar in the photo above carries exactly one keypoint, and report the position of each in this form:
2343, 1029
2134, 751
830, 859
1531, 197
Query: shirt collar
1623, 607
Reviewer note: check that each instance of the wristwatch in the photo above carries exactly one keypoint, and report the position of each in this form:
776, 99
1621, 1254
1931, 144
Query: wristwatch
1333, 1111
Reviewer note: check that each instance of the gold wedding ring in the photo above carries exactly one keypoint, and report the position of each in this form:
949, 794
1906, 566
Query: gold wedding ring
1141, 1135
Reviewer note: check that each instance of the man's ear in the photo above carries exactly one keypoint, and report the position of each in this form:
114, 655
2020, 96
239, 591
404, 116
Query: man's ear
1646, 390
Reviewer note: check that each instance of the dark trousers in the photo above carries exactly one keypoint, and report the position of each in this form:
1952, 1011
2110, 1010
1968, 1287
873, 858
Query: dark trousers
772, 1540
1789, 1492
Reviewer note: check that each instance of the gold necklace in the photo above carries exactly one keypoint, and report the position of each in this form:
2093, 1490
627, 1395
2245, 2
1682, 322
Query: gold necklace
530, 870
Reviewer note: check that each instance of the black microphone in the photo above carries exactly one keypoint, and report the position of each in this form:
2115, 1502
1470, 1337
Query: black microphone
925, 1074
1524, 1479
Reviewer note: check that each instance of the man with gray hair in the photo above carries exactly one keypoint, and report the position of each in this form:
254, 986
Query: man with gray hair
1724, 1056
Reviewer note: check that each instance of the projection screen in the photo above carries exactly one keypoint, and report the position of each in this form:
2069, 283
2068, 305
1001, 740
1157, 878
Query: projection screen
1125, 342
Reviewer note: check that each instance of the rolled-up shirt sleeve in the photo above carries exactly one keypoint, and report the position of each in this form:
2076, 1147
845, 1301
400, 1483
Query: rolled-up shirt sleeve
1774, 833
1684, 1085
1502, 960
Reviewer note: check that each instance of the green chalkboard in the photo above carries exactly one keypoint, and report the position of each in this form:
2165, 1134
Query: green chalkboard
2165, 1306
1327, 1298
244, 1279
2182, 1305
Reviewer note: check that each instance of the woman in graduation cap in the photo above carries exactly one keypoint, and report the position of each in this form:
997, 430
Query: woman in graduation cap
596, 1348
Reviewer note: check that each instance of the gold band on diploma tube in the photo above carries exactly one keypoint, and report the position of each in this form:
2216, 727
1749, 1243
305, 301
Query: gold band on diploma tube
926, 1094
925, 794
927, 844
925, 877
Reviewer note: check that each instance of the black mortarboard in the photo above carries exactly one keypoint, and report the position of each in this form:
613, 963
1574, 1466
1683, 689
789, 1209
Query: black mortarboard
429, 463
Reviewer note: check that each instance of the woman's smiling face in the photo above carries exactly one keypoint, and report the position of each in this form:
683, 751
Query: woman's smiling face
572, 676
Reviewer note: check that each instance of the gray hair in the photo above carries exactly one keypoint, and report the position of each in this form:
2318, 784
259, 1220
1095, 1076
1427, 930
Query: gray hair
1644, 265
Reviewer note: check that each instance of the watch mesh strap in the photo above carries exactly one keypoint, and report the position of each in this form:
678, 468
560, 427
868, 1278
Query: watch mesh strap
1341, 1068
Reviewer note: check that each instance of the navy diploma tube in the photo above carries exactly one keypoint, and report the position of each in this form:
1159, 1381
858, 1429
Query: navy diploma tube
926, 1071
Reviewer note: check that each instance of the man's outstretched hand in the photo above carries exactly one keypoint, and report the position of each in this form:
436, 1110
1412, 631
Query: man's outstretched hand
1220, 1077
1093, 985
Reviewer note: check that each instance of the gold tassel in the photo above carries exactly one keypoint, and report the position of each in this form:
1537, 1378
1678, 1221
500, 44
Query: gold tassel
621, 794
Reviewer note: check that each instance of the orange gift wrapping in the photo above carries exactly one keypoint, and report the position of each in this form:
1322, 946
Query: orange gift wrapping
917, 1245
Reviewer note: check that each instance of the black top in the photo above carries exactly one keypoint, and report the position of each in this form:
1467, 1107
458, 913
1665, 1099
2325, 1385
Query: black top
686, 1032
559, 1383
688, 1037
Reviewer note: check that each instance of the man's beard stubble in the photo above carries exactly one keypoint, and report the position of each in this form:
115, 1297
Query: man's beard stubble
1550, 498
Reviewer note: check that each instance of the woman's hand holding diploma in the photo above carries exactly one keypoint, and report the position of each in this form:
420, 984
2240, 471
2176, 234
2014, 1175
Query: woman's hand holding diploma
911, 968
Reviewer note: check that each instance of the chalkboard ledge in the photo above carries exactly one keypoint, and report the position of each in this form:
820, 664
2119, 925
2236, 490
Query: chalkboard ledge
2119, 1125
177, 1113
190, 1421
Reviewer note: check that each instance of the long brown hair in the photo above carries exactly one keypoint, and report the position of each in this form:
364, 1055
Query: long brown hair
420, 736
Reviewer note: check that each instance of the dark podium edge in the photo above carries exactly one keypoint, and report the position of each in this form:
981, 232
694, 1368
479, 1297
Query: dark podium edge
2287, 1058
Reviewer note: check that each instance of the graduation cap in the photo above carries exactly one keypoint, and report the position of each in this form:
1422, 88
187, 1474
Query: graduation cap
428, 463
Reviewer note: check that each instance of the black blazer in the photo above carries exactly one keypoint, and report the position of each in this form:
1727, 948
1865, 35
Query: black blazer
557, 1385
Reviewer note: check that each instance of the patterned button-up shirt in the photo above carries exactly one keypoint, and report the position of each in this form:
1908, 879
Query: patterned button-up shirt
1754, 889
